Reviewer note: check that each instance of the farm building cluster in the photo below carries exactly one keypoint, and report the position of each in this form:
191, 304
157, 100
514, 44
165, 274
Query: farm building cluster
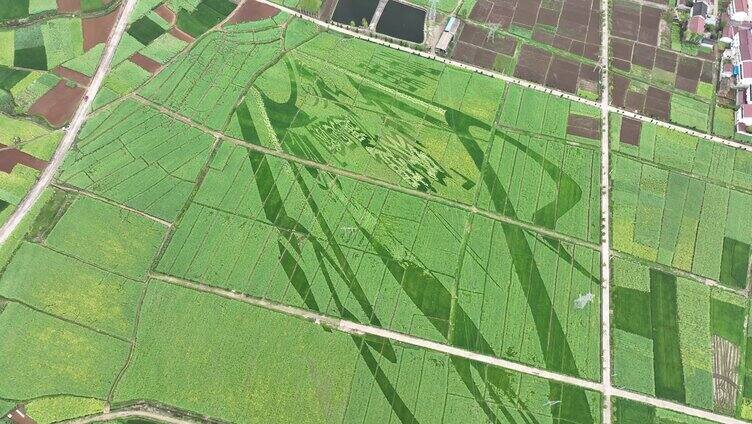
737, 59
701, 18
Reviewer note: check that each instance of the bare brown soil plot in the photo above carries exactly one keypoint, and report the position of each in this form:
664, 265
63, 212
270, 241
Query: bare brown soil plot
658, 103
584, 126
72, 75
58, 105
10, 157
630, 131
144, 62
180, 35
96, 30
666, 60
533, 64
68, 6
576, 23
252, 10
165, 13
563, 74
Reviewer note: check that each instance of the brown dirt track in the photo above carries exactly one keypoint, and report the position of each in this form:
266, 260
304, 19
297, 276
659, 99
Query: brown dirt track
72, 75
96, 30
58, 105
250, 11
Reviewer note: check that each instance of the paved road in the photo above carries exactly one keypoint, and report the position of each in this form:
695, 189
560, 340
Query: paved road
508, 78
605, 247
361, 329
73, 128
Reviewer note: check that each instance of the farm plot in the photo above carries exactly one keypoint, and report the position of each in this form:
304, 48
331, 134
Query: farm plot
58, 356
25, 148
45, 66
106, 236
206, 82
15, 11
692, 335
355, 250
651, 77
68, 288
426, 127
626, 411
683, 202
337, 377
135, 155
559, 42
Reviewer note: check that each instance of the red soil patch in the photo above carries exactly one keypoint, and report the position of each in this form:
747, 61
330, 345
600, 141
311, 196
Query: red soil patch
72, 75
180, 35
252, 10
165, 13
68, 6
10, 157
150, 65
96, 30
58, 105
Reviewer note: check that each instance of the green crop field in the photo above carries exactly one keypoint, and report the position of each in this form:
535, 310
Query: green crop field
337, 378
681, 328
683, 202
131, 142
261, 220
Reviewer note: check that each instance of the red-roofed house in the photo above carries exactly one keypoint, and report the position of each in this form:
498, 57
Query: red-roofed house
696, 25
729, 31
744, 116
738, 10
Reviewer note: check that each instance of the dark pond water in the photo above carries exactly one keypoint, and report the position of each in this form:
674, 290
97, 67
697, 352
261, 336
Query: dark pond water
402, 21
354, 11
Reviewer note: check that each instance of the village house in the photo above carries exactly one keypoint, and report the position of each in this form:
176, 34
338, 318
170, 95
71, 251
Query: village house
737, 59
700, 14
738, 11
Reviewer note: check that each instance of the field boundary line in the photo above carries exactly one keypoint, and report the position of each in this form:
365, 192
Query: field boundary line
694, 133
45, 179
358, 329
605, 247
508, 78
679, 273
415, 193
372, 180
71, 189
64, 319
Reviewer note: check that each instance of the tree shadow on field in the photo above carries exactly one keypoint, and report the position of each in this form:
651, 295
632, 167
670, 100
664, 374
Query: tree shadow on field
416, 280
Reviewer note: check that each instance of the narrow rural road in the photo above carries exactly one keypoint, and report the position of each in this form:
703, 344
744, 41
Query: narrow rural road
131, 413
605, 247
45, 179
361, 329
510, 79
